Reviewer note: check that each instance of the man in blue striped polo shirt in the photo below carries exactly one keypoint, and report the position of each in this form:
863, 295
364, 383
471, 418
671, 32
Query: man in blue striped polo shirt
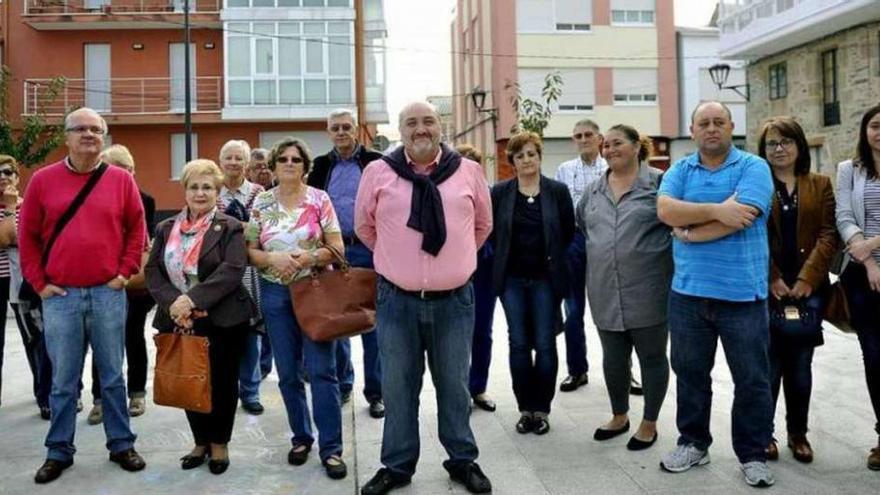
717, 200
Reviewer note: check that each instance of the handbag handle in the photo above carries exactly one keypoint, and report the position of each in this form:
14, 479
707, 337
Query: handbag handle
339, 257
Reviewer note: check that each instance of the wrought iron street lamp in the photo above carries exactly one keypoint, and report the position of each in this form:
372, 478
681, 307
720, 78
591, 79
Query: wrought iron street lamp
719, 74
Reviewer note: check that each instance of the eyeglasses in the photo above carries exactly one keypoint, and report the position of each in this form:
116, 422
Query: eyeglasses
82, 129
784, 142
584, 135
344, 127
7, 172
289, 159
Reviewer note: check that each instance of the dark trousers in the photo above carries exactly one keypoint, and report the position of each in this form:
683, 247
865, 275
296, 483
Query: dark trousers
791, 365
30, 326
531, 310
575, 303
135, 348
225, 351
864, 306
650, 346
484, 311
695, 326
4, 299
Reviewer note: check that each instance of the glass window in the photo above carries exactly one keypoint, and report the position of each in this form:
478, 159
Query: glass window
650, 97
340, 91
264, 28
239, 56
648, 16
240, 92
618, 16
264, 92
315, 91
778, 81
339, 54
238, 28
338, 3
339, 27
263, 3
290, 92
178, 152
237, 3
288, 3
314, 28
619, 97
633, 16
313, 3
263, 56
289, 63
314, 55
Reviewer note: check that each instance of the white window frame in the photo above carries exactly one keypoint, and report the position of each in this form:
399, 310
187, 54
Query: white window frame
640, 23
568, 28
195, 151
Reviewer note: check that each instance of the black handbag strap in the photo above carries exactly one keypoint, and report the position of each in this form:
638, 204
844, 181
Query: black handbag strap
72, 209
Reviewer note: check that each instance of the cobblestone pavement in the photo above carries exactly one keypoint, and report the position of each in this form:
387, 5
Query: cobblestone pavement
564, 461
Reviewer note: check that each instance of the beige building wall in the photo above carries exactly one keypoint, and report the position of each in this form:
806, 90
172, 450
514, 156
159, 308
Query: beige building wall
610, 46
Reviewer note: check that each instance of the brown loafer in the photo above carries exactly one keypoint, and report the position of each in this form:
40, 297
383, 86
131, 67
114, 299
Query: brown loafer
801, 448
772, 451
128, 460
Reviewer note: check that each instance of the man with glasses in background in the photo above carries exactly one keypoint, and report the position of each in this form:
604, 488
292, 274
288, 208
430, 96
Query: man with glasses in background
83, 302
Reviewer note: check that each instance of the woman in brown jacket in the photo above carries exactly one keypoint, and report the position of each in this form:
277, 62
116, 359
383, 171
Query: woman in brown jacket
803, 239
194, 273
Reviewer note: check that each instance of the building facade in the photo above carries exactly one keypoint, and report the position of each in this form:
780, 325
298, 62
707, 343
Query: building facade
816, 60
260, 70
617, 58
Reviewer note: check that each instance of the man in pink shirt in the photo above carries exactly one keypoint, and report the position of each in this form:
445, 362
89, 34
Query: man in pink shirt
424, 211
81, 280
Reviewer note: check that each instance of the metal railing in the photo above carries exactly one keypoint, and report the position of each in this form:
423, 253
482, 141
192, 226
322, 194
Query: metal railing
123, 96
736, 15
103, 7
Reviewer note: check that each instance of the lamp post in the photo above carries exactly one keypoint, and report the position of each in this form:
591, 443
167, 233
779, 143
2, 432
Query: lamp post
478, 98
187, 89
719, 74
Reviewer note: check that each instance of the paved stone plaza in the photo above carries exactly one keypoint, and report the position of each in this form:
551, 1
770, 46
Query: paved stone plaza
565, 461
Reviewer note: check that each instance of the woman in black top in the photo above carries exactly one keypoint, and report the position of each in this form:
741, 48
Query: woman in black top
534, 223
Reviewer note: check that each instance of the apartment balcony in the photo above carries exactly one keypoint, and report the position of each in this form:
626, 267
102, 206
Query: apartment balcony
119, 14
147, 100
753, 29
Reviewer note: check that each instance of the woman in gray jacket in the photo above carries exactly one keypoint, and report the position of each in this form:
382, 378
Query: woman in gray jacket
858, 221
629, 270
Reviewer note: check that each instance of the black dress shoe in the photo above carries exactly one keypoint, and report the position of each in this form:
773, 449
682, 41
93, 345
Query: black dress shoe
254, 408
218, 466
635, 388
377, 409
299, 454
525, 424
190, 461
45, 412
603, 434
540, 426
345, 397
51, 470
573, 382
383, 482
335, 470
129, 460
470, 475
636, 444
484, 403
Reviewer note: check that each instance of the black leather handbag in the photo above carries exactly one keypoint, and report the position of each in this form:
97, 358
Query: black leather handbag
798, 319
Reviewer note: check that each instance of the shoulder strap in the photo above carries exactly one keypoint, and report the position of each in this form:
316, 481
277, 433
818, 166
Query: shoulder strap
72, 209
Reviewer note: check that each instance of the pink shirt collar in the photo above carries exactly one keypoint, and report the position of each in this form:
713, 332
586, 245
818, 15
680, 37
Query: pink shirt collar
423, 169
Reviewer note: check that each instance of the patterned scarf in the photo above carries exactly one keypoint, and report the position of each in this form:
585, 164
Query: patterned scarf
184, 246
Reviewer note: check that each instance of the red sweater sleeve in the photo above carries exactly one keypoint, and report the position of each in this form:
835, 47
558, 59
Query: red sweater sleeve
134, 231
30, 243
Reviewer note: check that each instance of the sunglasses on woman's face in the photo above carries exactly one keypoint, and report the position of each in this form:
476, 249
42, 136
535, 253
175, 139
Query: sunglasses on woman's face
289, 159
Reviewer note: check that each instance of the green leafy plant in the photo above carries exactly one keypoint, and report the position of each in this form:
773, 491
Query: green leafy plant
533, 115
31, 144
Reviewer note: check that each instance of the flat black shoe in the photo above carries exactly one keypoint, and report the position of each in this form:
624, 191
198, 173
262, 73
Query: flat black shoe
254, 408
218, 466
337, 470
636, 444
603, 434
377, 409
540, 426
299, 454
485, 403
525, 424
572, 382
383, 482
45, 412
635, 388
344, 397
190, 461
51, 470
470, 475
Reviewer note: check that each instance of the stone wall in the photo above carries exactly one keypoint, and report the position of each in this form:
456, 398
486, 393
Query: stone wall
858, 75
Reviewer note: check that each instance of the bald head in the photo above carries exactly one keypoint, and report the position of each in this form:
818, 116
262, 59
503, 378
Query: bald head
710, 104
420, 131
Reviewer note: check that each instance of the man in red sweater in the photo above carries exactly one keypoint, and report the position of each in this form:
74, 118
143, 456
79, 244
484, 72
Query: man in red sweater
82, 284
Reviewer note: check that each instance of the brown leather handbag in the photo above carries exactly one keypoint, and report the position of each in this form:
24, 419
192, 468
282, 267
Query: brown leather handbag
837, 308
337, 303
183, 371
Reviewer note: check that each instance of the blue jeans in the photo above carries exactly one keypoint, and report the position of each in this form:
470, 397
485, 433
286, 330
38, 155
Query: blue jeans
792, 364
695, 325
290, 347
359, 256
484, 311
530, 307
93, 315
575, 303
864, 304
249, 370
409, 329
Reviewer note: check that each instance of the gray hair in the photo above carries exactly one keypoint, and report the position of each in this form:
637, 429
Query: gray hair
587, 123
236, 143
259, 154
342, 112
68, 119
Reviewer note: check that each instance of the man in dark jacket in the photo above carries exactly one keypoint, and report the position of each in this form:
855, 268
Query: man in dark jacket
339, 173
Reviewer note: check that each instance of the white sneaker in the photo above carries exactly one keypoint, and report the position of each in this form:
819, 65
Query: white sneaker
758, 474
683, 458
